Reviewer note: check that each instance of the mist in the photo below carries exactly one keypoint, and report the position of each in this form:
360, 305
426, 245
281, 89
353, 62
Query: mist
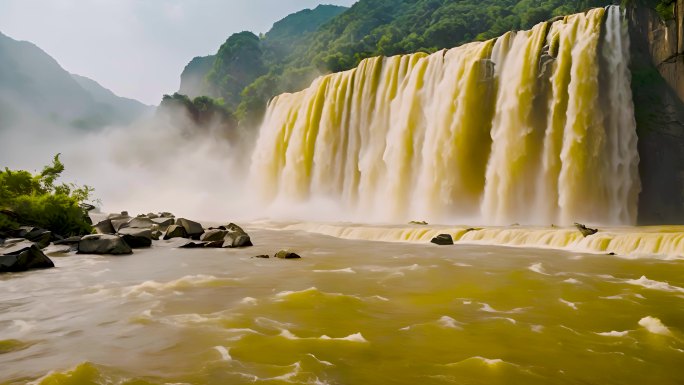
151, 165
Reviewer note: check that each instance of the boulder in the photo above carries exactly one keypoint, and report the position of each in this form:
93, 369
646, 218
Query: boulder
152, 215
263, 256
104, 227
236, 236
156, 234
22, 258
166, 215
123, 214
443, 240
175, 231
141, 223
193, 229
120, 223
103, 244
586, 231
421, 223
137, 238
164, 223
214, 236
36, 235
235, 239
284, 254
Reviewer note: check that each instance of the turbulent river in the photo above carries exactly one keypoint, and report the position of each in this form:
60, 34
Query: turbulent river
351, 311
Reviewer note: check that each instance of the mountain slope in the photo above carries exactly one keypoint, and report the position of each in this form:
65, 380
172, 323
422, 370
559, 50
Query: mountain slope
245, 57
31, 81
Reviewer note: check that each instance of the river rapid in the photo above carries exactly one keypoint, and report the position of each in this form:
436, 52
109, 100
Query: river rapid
349, 312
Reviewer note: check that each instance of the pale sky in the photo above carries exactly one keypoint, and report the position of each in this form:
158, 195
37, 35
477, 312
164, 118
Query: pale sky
138, 48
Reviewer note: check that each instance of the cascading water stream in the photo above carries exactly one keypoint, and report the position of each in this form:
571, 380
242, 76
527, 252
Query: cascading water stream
533, 127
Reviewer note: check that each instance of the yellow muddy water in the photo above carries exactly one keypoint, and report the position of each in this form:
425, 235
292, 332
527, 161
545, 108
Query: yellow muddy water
350, 312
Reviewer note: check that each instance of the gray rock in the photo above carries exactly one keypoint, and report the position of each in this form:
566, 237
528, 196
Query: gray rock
443, 240
175, 231
120, 223
214, 235
104, 227
263, 256
193, 229
214, 244
421, 223
39, 236
103, 244
164, 223
586, 231
152, 215
156, 234
137, 238
284, 254
166, 215
141, 223
23, 259
235, 239
236, 228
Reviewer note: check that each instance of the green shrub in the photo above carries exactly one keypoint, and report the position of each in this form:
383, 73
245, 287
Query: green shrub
37, 201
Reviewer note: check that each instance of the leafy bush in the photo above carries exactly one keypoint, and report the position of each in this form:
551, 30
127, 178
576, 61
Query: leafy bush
37, 200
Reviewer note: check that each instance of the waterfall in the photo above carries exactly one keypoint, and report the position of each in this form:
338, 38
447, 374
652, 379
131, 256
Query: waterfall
533, 127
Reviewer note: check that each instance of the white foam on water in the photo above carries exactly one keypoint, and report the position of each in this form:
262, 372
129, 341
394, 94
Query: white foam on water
614, 334
249, 301
488, 309
224, 352
537, 328
149, 288
489, 362
357, 337
655, 285
655, 326
568, 303
288, 293
511, 320
448, 322
326, 363
573, 281
348, 270
538, 268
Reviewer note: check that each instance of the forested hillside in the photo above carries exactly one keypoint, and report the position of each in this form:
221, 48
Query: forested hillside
248, 70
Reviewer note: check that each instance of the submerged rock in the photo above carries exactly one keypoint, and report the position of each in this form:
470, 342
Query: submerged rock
263, 256
284, 254
137, 238
103, 244
422, 223
192, 245
24, 257
443, 240
68, 241
175, 231
586, 231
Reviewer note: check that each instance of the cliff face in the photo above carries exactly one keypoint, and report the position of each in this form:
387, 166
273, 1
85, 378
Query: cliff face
658, 87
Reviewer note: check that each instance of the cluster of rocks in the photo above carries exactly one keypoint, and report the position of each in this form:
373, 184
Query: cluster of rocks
120, 230
23, 249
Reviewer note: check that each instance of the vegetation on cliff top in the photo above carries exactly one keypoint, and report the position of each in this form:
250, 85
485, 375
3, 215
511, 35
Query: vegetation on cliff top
248, 70
37, 200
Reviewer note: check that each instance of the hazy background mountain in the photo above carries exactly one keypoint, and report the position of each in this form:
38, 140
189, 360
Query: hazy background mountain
33, 83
